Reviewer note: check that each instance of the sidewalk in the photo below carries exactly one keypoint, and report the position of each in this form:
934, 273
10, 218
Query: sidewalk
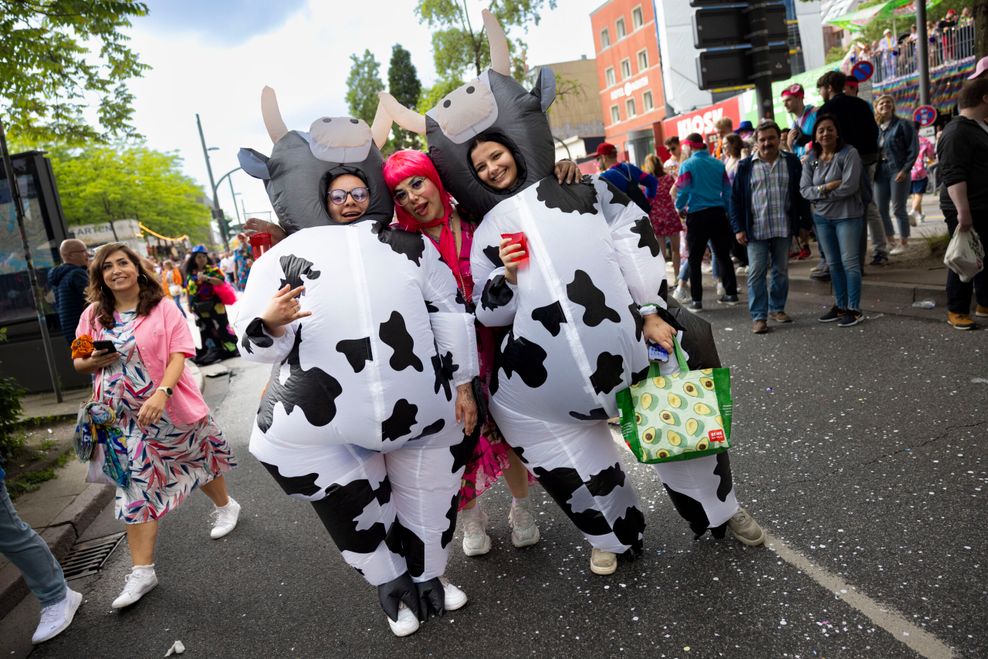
62, 508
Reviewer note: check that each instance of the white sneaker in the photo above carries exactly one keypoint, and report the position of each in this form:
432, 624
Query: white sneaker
406, 624
897, 250
476, 542
224, 519
603, 562
721, 291
524, 530
454, 598
913, 219
140, 581
682, 294
55, 618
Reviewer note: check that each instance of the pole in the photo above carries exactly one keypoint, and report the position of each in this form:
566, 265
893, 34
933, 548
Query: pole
922, 52
217, 211
15, 195
763, 94
233, 195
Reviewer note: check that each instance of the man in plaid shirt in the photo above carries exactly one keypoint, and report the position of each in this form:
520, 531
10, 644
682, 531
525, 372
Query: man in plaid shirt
766, 212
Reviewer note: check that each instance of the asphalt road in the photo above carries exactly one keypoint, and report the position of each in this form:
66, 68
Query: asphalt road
860, 450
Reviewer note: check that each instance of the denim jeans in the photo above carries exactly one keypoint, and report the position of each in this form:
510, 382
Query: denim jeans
841, 239
684, 269
873, 220
887, 189
26, 550
761, 253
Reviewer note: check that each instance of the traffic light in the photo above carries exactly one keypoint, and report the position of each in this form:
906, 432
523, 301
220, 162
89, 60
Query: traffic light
747, 42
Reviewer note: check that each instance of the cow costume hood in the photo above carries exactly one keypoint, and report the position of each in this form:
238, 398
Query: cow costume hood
297, 173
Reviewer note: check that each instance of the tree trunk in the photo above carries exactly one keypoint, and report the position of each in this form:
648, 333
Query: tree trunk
980, 28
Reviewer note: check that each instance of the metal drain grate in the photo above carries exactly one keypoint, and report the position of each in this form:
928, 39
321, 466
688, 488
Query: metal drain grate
88, 557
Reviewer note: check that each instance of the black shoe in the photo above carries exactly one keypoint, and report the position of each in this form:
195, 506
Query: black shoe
879, 259
850, 318
695, 305
728, 299
834, 314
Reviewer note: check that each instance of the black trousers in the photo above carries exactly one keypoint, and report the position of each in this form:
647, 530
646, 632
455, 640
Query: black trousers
710, 224
959, 292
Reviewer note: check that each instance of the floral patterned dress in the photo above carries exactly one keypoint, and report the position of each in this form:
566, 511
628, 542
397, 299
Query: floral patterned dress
167, 462
491, 456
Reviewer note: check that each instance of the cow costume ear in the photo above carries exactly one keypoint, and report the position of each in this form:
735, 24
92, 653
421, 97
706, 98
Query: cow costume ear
545, 87
254, 163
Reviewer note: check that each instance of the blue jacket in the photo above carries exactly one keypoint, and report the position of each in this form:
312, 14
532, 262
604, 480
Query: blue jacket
622, 174
702, 183
798, 211
900, 146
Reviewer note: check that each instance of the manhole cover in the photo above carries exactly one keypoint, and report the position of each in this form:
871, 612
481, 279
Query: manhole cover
88, 557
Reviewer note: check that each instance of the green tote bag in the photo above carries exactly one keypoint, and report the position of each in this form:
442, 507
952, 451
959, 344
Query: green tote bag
678, 416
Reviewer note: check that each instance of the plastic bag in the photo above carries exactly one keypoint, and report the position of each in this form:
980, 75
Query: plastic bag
965, 254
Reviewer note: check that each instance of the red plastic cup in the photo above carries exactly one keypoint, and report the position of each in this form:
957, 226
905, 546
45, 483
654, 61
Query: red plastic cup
260, 243
518, 239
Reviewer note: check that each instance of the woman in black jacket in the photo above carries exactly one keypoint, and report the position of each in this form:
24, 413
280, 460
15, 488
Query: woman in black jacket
898, 145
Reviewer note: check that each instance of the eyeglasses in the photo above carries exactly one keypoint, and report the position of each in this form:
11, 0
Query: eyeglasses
401, 196
359, 195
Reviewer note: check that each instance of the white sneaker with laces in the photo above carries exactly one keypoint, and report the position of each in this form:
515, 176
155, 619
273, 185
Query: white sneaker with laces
55, 618
476, 542
140, 581
406, 624
603, 562
682, 294
224, 519
524, 529
454, 598
721, 291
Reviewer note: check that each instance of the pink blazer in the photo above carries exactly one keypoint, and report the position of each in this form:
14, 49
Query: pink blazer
159, 334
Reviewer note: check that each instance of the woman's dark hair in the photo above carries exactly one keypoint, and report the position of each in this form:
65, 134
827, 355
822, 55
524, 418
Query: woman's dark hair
833, 79
191, 267
504, 141
817, 149
100, 295
733, 145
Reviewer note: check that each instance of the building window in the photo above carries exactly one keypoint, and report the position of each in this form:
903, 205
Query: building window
615, 114
609, 76
605, 39
625, 69
642, 60
629, 105
619, 28
637, 18
647, 103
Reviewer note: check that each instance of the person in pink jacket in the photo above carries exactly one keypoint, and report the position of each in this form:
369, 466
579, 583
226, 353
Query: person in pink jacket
157, 441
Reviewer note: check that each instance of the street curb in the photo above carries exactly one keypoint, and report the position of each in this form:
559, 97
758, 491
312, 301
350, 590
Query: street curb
884, 292
60, 536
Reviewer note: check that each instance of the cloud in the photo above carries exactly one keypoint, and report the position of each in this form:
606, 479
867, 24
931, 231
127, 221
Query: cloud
228, 22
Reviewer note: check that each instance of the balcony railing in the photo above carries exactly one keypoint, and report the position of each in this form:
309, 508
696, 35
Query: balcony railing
946, 46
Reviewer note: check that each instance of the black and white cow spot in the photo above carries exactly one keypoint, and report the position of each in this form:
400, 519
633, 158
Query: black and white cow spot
356, 351
294, 268
689, 509
461, 452
598, 414
394, 334
430, 307
629, 529
255, 335
400, 422
551, 316
431, 429
408, 545
444, 368
646, 236
304, 485
583, 292
314, 391
606, 480
447, 535
410, 245
496, 293
723, 470
525, 358
617, 196
639, 321
639, 376
562, 483
493, 255
340, 510
608, 374
577, 198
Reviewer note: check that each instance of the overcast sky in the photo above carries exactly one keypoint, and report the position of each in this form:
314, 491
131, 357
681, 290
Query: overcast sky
213, 57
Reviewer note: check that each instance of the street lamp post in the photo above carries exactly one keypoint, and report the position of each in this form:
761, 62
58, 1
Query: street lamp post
217, 211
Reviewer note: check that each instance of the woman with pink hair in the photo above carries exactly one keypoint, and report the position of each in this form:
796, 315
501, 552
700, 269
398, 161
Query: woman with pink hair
422, 204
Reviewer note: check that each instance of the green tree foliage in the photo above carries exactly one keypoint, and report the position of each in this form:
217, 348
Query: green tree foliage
362, 86
404, 85
460, 50
100, 183
58, 55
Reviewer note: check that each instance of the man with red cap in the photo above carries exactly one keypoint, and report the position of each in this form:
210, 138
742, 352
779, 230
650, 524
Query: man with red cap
803, 117
626, 177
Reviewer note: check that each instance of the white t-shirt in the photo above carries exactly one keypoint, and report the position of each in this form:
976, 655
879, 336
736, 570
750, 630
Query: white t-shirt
226, 264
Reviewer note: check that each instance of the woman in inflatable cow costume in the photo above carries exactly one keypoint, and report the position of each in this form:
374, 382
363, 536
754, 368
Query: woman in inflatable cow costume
579, 309
373, 362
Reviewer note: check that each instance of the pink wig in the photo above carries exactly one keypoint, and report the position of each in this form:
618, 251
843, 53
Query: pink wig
403, 164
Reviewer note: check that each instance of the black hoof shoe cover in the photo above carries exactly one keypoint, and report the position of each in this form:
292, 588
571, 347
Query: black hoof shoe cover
432, 599
399, 590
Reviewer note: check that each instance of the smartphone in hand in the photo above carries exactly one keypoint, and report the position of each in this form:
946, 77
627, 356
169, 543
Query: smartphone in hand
106, 346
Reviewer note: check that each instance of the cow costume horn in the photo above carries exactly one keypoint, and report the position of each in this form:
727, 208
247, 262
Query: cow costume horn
272, 115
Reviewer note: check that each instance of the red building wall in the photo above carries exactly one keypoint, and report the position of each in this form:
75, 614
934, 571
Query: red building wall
639, 83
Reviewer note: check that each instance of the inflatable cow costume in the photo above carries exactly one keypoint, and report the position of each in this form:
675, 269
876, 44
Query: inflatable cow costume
575, 313
358, 417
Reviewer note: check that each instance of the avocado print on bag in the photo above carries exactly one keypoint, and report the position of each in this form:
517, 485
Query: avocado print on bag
678, 416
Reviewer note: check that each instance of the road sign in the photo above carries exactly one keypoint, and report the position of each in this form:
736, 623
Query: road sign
925, 115
862, 71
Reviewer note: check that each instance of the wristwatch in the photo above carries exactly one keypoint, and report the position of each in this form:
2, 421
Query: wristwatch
168, 391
